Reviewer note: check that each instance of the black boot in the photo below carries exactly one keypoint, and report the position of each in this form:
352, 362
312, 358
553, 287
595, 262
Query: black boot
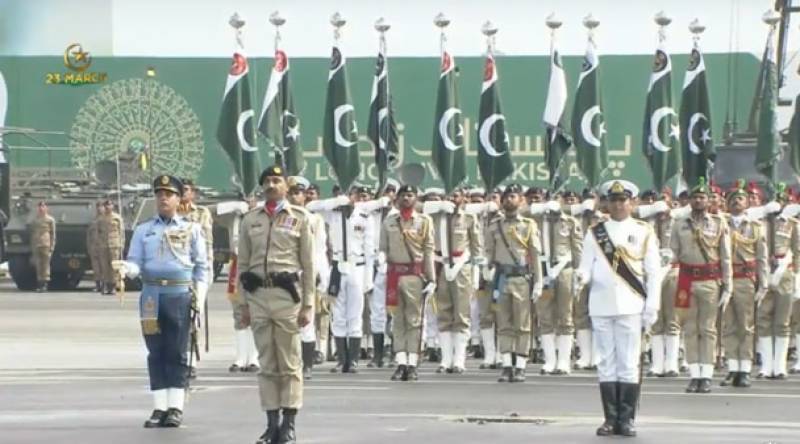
731, 379
399, 373
270, 436
39, 286
519, 375
743, 380
693, 385
628, 396
377, 357
286, 434
353, 350
156, 419
341, 355
608, 396
98, 287
704, 386
506, 375
308, 359
174, 418
411, 373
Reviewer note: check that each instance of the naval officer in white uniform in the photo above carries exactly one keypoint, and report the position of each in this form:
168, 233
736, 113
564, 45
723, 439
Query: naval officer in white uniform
621, 265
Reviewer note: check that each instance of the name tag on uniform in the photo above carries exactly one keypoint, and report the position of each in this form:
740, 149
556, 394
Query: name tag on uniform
288, 222
418, 224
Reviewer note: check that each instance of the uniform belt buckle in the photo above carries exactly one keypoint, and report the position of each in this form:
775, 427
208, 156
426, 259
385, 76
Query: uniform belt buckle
696, 272
163, 282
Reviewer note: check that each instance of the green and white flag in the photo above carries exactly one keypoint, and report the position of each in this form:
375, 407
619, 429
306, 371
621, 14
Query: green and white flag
235, 129
699, 152
381, 128
794, 136
588, 121
340, 134
449, 155
278, 121
494, 156
661, 133
557, 141
768, 145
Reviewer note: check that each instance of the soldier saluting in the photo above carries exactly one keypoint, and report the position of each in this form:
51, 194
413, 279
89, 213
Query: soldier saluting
621, 266
43, 242
276, 262
170, 254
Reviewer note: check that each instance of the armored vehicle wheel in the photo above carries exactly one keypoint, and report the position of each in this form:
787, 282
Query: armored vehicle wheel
22, 272
65, 281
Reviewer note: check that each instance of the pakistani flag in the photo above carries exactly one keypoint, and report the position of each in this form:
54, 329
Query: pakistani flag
695, 118
494, 157
278, 121
588, 122
235, 129
449, 156
660, 134
5, 179
794, 136
557, 142
768, 147
382, 130
340, 135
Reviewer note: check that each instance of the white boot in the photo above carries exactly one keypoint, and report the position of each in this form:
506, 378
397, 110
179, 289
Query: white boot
765, 350
487, 336
745, 366
657, 351
781, 351
585, 345
401, 358
694, 371
446, 342
252, 351
564, 345
796, 366
160, 399
460, 352
549, 348
412, 359
240, 341
323, 349
175, 398
672, 345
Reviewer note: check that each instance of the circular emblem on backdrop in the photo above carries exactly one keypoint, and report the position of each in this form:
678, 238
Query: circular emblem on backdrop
76, 59
144, 123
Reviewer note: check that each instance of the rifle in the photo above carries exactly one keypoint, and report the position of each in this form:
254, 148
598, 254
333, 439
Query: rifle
194, 348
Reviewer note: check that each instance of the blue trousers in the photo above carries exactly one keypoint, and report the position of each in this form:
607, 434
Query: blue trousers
167, 359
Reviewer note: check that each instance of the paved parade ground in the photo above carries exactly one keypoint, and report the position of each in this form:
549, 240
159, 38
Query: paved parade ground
72, 370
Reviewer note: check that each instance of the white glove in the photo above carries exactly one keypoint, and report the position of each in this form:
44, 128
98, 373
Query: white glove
760, 294
201, 290
385, 201
646, 211
772, 207
588, 205
681, 212
479, 261
580, 278
341, 201
448, 207
576, 210
553, 206
666, 256
536, 292
724, 298
776, 277
649, 317
548, 281
128, 269
488, 274
491, 207
791, 210
429, 288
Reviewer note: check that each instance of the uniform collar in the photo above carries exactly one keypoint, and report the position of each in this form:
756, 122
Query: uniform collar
168, 222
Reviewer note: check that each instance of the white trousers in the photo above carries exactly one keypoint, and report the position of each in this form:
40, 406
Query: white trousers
309, 332
377, 304
619, 343
348, 309
431, 330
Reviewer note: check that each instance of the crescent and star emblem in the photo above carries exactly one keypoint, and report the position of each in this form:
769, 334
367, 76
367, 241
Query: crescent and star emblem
586, 126
655, 120
383, 113
444, 124
338, 113
240, 123
485, 132
705, 133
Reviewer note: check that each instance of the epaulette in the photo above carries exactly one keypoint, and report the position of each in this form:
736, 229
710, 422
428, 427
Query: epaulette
298, 209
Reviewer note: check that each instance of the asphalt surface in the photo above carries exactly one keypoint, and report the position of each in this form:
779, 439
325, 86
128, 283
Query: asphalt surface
72, 370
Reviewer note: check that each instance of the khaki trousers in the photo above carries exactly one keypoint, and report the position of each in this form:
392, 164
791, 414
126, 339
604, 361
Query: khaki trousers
737, 321
452, 301
699, 322
554, 309
407, 315
513, 313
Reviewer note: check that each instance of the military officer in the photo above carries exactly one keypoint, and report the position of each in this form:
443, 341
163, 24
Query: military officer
111, 231
774, 310
588, 216
406, 242
43, 242
561, 251
322, 308
750, 269
277, 277
352, 256
511, 242
457, 237
620, 264
701, 245
170, 255
486, 309
93, 246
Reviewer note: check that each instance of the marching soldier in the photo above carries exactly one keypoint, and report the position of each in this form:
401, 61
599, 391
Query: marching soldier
322, 308
749, 257
457, 236
483, 294
512, 246
774, 310
561, 251
430, 334
93, 246
169, 253
43, 242
277, 276
352, 255
587, 216
702, 247
111, 231
407, 244
620, 264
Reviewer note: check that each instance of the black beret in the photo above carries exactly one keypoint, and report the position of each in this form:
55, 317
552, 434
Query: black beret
406, 188
169, 183
513, 188
270, 171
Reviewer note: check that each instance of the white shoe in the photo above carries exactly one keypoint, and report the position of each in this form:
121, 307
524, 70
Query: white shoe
549, 349
564, 345
657, 351
764, 348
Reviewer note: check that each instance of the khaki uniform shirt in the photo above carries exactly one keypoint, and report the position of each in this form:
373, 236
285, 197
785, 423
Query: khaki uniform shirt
713, 233
43, 232
282, 243
786, 234
465, 235
561, 237
401, 238
201, 216
749, 244
111, 230
523, 248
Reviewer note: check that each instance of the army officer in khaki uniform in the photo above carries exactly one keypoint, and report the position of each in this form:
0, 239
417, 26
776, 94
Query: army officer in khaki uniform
111, 236
43, 242
276, 262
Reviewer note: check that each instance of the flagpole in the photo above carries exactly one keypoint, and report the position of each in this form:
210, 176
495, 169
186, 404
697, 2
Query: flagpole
382, 26
697, 28
277, 21
556, 182
771, 19
591, 23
